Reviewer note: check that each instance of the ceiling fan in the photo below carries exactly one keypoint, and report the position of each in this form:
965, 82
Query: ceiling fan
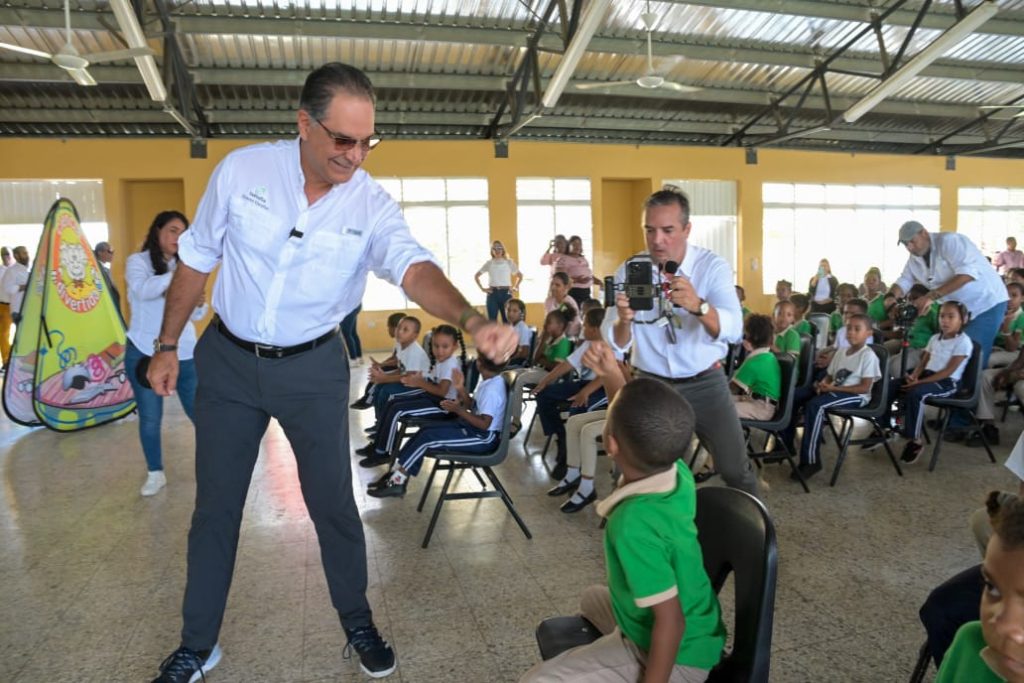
1006, 106
650, 80
69, 59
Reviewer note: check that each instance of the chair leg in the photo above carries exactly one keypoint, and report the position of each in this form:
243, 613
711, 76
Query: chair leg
483, 484
984, 441
921, 667
437, 508
792, 463
547, 445
888, 450
938, 439
507, 501
846, 431
529, 430
426, 488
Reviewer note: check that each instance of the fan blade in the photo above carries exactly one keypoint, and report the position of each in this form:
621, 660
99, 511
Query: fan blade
82, 77
1001, 106
679, 87
26, 50
597, 86
96, 57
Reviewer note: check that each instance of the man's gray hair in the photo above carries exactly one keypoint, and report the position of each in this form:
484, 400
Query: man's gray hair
330, 79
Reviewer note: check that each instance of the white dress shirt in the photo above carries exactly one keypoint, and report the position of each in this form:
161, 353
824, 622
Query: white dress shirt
954, 254
276, 287
147, 294
694, 350
15, 276
499, 272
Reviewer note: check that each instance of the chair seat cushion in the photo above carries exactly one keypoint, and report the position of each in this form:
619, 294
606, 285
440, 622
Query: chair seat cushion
559, 634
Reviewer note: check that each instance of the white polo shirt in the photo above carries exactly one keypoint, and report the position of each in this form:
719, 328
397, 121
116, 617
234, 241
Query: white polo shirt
954, 254
277, 288
694, 350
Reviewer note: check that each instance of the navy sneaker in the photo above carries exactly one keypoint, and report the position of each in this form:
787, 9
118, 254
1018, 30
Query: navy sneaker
188, 666
376, 658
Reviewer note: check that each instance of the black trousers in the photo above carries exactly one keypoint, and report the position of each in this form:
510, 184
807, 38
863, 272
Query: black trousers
237, 395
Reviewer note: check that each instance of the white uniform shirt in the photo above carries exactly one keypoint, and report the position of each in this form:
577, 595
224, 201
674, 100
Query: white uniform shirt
841, 340
15, 276
443, 371
4, 298
575, 359
524, 332
284, 290
694, 350
847, 370
941, 350
954, 254
147, 294
490, 397
499, 272
413, 358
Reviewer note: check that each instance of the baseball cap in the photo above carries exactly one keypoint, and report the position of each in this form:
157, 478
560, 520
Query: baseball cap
908, 230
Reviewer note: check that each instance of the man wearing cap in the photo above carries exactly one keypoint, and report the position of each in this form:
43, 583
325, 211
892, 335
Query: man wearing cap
954, 269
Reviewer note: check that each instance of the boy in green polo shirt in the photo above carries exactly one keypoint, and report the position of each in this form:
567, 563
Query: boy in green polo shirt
844, 293
1007, 343
757, 384
801, 304
787, 339
659, 613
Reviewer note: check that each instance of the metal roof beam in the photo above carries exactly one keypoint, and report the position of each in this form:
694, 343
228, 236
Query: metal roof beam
387, 80
692, 47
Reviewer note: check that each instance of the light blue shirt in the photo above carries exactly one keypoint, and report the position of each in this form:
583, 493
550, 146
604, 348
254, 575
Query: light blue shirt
954, 254
277, 288
694, 350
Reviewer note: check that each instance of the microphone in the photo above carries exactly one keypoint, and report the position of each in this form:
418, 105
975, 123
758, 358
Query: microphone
670, 268
296, 233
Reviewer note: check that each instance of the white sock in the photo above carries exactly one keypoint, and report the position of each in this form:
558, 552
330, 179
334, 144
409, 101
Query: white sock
571, 475
397, 477
585, 488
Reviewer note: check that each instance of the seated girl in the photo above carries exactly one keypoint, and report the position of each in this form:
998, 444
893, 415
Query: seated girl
552, 348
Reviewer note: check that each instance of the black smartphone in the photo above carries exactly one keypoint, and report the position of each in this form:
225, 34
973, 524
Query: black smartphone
639, 284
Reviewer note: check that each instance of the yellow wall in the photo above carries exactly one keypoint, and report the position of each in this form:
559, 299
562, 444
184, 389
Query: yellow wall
622, 175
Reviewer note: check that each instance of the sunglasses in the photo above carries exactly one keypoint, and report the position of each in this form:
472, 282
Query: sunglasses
344, 143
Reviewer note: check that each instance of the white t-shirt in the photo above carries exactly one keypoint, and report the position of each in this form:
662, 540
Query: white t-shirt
941, 350
849, 369
490, 397
499, 272
575, 359
443, 371
412, 358
822, 290
841, 341
524, 332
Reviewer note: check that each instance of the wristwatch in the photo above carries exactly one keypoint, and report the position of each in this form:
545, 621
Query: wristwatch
158, 347
702, 309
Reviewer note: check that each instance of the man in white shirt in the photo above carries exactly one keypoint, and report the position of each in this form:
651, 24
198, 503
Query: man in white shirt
295, 226
954, 269
15, 281
5, 309
683, 345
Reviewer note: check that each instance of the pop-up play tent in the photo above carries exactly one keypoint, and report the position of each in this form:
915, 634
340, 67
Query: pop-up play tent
67, 362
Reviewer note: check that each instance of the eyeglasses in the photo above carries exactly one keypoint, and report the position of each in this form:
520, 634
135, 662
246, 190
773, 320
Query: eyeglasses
344, 143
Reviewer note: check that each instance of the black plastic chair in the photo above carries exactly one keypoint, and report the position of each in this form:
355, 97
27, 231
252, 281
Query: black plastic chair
965, 398
736, 535
876, 412
805, 362
476, 463
781, 419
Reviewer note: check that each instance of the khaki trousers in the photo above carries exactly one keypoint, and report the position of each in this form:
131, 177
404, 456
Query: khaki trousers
581, 432
611, 659
5, 332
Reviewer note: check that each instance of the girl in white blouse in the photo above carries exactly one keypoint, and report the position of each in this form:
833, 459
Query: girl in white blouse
503, 281
148, 273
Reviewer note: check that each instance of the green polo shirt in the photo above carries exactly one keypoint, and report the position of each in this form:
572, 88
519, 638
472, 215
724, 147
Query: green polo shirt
1016, 326
558, 351
788, 341
746, 312
923, 327
876, 309
835, 321
804, 327
760, 374
653, 555
963, 662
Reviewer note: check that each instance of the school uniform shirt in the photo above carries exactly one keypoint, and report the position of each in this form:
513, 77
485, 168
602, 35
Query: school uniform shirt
876, 309
15, 276
576, 325
558, 350
760, 374
841, 341
923, 327
963, 661
788, 341
835, 320
694, 350
290, 270
499, 272
652, 555
147, 294
804, 327
941, 350
413, 358
575, 359
848, 369
443, 370
490, 397
524, 332
1016, 325
953, 254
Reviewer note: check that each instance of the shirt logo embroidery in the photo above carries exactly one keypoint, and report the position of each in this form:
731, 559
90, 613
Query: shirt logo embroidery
353, 231
257, 196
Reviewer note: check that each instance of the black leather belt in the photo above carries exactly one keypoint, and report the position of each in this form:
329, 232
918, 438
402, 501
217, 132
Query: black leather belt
762, 397
267, 351
684, 380
501, 289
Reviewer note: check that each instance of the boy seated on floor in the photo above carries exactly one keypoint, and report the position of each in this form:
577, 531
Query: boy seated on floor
992, 649
389, 364
659, 613
476, 429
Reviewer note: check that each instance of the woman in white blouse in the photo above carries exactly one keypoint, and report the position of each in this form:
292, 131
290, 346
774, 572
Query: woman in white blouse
148, 274
503, 278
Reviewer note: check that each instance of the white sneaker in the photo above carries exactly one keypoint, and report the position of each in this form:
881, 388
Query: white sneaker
154, 482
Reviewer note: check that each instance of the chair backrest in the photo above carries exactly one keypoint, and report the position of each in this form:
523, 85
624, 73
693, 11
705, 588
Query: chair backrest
731, 357
879, 402
806, 362
823, 324
533, 343
784, 411
737, 536
970, 381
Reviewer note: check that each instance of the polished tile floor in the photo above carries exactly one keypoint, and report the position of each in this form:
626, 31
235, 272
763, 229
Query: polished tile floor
91, 575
